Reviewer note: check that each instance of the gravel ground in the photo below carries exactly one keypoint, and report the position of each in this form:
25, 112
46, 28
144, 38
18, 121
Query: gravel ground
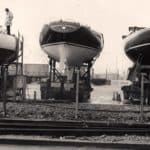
134, 139
126, 139
67, 112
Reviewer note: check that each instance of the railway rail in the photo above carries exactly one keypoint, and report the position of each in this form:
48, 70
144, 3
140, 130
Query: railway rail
68, 144
75, 128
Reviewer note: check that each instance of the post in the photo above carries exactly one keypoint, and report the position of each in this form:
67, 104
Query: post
142, 97
54, 69
89, 74
17, 61
77, 93
22, 70
22, 45
35, 95
50, 71
4, 90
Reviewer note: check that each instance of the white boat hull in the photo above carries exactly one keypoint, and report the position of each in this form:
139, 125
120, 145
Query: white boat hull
8, 42
74, 54
8, 47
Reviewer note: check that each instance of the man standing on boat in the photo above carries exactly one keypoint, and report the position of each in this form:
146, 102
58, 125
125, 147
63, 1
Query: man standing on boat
8, 21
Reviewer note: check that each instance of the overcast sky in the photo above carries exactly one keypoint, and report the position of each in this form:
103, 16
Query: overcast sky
111, 17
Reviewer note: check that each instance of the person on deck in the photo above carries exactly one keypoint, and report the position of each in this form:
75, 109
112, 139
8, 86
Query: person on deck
8, 20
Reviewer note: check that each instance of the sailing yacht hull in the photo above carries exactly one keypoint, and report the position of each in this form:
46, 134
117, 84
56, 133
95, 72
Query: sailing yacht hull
137, 46
77, 43
8, 48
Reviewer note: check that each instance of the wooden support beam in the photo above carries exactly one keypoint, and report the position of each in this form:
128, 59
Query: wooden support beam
77, 92
142, 98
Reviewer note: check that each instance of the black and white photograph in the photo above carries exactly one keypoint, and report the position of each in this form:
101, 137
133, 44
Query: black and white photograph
74, 74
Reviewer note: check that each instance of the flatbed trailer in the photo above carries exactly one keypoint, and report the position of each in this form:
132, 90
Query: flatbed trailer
133, 91
63, 86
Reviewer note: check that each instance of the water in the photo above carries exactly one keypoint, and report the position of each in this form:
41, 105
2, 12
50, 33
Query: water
104, 94
100, 94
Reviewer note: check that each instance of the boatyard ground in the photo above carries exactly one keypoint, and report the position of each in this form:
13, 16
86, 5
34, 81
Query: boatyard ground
97, 109
93, 112
126, 139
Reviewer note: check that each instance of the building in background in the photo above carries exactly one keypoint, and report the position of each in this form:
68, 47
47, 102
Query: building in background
34, 76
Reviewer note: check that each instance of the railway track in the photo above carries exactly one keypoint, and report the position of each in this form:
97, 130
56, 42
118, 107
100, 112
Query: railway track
75, 128
8, 143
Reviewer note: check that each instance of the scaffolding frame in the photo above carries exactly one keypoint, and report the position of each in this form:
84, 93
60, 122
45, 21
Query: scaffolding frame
4, 70
19, 73
56, 77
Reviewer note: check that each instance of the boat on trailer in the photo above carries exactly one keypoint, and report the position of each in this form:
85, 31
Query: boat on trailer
8, 48
137, 48
137, 45
71, 41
